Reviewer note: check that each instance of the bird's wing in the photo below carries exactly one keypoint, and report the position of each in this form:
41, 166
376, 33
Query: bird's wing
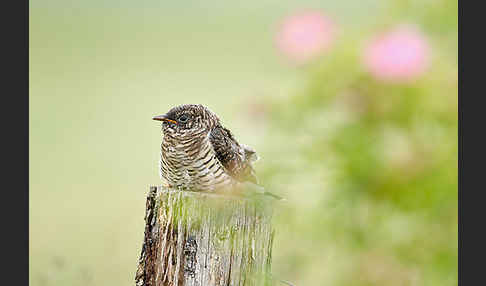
250, 153
232, 155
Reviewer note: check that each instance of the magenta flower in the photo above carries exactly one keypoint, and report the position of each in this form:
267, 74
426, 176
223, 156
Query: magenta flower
305, 35
399, 55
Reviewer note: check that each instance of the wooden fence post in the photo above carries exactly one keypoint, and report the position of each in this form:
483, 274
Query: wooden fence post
205, 239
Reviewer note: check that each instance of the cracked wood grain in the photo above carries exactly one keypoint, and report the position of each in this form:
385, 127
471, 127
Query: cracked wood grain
205, 239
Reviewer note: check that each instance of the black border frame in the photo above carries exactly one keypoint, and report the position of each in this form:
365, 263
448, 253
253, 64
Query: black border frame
470, 186
15, 121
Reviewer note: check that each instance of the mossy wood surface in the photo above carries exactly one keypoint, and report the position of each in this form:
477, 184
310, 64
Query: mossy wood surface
205, 239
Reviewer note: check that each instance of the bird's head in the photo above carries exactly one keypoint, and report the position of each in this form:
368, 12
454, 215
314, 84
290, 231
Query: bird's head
187, 120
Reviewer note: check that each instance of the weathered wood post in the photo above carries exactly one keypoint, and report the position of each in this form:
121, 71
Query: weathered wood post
205, 239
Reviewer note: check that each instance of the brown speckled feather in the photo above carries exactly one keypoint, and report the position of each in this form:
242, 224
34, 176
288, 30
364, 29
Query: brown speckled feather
235, 158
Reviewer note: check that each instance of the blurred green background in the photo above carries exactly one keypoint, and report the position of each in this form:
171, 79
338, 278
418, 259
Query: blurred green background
369, 167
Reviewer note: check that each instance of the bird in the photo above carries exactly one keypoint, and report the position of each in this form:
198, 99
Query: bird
199, 154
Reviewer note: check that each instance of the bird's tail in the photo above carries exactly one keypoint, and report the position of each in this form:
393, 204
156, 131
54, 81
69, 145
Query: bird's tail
251, 188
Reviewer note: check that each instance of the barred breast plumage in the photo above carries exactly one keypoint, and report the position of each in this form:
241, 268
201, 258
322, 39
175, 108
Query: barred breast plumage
198, 153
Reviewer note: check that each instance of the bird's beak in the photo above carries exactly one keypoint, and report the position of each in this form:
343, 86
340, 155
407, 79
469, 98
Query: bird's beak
163, 117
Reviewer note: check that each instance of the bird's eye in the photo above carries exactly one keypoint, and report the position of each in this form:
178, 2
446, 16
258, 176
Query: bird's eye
183, 118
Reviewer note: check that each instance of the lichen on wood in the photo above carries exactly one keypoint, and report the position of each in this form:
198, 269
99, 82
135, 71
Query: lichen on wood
204, 239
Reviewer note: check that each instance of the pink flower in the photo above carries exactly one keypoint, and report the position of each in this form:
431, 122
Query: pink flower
304, 35
399, 55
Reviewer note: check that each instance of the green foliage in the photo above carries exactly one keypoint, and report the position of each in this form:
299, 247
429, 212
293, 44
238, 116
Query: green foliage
382, 162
